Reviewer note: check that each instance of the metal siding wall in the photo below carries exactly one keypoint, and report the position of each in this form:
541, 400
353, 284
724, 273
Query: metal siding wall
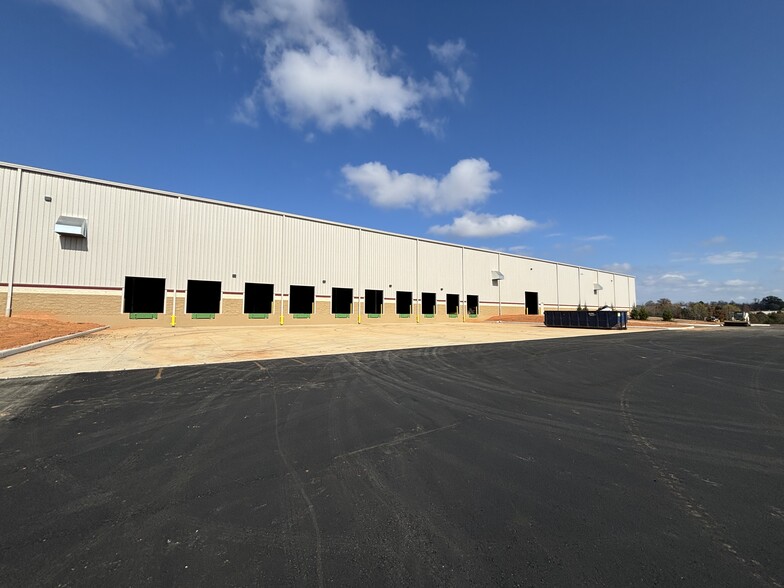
587, 279
318, 251
259, 258
568, 285
479, 266
126, 233
7, 214
516, 280
606, 295
621, 292
440, 266
146, 226
543, 277
218, 241
133, 232
523, 275
385, 260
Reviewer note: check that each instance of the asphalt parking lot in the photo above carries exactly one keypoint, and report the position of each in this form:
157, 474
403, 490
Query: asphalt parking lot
651, 458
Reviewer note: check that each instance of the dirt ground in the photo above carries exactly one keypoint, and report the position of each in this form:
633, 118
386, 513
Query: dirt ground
18, 331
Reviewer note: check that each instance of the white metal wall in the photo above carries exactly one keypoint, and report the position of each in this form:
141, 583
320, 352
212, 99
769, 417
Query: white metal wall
320, 255
479, 266
440, 269
523, 275
386, 259
217, 242
129, 232
7, 214
568, 285
138, 232
621, 291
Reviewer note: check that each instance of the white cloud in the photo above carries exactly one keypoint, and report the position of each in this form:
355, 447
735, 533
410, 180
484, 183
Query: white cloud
735, 283
730, 257
448, 53
623, 267
318, 68
473, 224
717, 240
127, 21
468, 183
596, 238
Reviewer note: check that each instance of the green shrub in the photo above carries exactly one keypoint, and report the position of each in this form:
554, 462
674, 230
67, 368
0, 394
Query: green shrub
640, 313
666, 314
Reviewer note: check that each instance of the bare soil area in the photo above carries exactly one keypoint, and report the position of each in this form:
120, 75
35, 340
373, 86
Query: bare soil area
516, 318
18, 331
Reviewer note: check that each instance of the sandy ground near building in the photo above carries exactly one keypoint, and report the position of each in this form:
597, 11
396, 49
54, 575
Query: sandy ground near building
17, 331
133, 348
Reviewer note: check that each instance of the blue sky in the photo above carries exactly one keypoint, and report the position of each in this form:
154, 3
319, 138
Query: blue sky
644, 137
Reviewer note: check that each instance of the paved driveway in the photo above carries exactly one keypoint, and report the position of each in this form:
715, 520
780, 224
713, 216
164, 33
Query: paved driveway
649, 458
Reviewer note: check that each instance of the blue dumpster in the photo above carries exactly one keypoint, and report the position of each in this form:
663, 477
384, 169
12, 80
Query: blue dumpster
586, 319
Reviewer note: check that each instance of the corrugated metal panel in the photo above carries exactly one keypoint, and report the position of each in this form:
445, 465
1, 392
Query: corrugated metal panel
621, 291
588, 297
7, 213
320, 255
134, 232
515, 280
607, 294
128, 233
568, 285
478, 278
440, 269
387, 260
523, 275
544, 276
219, 241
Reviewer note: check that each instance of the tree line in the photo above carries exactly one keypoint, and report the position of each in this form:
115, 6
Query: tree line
769, 310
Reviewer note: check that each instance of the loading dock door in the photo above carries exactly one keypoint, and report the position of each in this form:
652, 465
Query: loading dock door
403, 303
532, 303
374, 302
452, 304
143, 295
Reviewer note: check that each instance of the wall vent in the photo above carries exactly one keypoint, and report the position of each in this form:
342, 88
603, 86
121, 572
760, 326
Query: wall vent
71, 226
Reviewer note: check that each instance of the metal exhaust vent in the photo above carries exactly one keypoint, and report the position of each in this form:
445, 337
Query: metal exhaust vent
497, 275
597, 286
71, 226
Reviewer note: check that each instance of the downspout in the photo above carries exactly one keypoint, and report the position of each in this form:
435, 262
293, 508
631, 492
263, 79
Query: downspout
499, 285
462, 285
176, 264
282, 245
359, 277
12, 253
416, 283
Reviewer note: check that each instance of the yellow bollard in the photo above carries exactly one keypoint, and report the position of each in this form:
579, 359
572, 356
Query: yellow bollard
281, 319
174, 321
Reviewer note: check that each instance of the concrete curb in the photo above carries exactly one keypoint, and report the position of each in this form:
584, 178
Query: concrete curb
37, 344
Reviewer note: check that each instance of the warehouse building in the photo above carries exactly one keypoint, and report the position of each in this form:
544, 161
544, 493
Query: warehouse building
83, 249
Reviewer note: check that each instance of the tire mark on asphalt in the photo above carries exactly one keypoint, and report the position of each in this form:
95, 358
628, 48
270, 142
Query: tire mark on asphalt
673, 484
401, 439
295, 477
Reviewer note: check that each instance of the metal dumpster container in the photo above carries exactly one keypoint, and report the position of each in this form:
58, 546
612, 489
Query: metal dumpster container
586, 319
